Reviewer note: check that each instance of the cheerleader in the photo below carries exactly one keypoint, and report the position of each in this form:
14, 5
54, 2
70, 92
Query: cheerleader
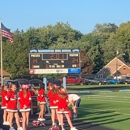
53, 95
25, 105
63, 108
30, 90
12, 107
33, 88
41, 102
4, 104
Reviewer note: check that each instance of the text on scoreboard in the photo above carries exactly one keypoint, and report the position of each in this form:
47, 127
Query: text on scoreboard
54, 62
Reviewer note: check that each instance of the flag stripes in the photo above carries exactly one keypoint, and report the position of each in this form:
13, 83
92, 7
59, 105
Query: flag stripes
6, 33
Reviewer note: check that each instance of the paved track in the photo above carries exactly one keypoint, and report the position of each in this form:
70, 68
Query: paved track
78, 124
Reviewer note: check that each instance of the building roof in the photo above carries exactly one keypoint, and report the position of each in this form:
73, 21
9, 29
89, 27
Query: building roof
5, 73
114, 65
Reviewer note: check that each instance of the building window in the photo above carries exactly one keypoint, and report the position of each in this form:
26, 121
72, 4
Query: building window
124, 68
100, 76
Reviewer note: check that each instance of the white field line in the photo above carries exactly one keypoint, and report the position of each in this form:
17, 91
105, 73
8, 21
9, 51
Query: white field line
106, 96
121, 99
108, 100
110, 110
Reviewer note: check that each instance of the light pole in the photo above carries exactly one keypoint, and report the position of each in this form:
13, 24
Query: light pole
116, 63
1, 53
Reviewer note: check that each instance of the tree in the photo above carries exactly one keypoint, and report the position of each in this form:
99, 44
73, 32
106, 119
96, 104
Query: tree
15, 57
118, 41
86, 65
97, 48
95, 55
44, 37
105, 28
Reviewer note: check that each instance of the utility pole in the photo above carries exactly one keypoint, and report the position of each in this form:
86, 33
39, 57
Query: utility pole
116, 62
1, 53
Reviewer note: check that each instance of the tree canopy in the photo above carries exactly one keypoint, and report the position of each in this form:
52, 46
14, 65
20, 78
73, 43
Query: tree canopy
97, 47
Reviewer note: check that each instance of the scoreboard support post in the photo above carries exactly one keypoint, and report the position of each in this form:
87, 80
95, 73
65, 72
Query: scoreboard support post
45, 82
64, 82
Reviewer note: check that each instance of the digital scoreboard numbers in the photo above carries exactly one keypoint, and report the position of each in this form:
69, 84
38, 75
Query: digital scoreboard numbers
54, 62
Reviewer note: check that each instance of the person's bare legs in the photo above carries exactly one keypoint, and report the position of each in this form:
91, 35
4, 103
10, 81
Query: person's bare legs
58, 116
39, 116
68, 120
53, 112
61, 120
42, 110
17, 119
27, 118
5, 116
10, 118
75, 112
23, 120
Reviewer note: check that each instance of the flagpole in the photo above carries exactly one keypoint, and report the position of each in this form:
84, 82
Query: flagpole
1, 54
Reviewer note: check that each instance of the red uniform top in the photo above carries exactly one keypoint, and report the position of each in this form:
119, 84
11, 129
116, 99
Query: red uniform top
4, 99
32, 93
63, 104
41, 97
52, 99
12, 101
25, 100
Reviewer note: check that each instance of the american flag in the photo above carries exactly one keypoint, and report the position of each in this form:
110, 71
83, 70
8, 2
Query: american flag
6, 33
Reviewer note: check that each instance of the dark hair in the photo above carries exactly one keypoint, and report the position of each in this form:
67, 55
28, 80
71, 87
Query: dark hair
10, 87
4, 86
42, 86
61, 87
55, 90
49, 84
62, 95
12, 84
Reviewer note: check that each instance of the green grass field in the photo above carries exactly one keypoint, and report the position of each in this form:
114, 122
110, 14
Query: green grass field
111, 109
97, 86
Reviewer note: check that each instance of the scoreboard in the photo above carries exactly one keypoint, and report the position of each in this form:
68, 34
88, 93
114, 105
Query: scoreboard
54, 61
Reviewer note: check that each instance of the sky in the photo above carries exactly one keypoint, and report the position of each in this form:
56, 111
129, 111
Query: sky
82, 15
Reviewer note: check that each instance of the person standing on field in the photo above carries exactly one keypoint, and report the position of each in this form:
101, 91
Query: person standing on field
25, 105
41, 101
63, 109
74, 101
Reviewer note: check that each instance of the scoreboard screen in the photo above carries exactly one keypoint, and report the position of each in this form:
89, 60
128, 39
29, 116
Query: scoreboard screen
50, 62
